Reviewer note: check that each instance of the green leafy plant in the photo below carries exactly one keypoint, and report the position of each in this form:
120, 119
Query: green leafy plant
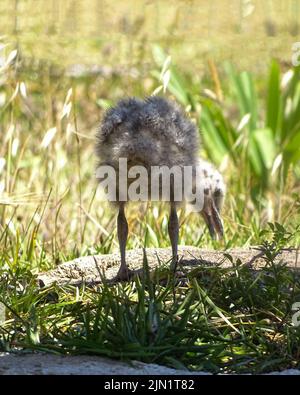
262, 138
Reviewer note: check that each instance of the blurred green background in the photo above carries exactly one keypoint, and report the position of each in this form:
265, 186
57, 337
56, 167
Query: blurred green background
228, 63
117, 33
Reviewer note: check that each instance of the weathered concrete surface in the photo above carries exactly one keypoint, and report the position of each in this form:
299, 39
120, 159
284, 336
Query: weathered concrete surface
47, 364
44, 364
91, 268
289, 372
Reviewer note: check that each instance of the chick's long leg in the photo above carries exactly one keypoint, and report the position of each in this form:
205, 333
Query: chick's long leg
122, 225
173, 228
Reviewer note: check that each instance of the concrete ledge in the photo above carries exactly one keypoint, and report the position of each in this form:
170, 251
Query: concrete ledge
48, 364
44, 364
88, 268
